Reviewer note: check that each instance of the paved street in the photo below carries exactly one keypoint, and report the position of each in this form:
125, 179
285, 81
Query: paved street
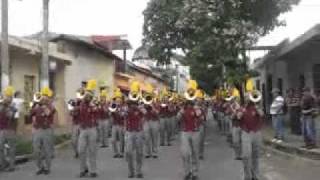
219, 165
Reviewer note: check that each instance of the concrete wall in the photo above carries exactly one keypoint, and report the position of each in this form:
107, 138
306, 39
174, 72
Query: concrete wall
87, 64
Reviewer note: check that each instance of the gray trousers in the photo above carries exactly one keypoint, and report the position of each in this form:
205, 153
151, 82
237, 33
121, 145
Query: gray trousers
88, 149
42, 147
202, 138
151, 135
190, 152
227, 124
134, 151
165, 130
251, 145
104, 131
7, 137
236, 141
75, 131
118, 139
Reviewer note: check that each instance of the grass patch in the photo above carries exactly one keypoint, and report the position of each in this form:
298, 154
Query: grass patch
25, 146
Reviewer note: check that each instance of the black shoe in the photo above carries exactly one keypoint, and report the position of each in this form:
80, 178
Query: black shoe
139, 176
83, 174
131, 175
187, 177
10, 170
40, 171
194, 178
116, 156
104, 146
169, 144
76, 156
120, 156
238, 158
201, 157
93, 175
148, 156
162, 144
46, 172
155, 156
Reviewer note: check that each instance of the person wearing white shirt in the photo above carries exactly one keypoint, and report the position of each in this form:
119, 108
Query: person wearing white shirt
276, 111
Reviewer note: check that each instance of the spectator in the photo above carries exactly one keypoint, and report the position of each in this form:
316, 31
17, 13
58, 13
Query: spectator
276, 111
308, 110
293, 104
18, 104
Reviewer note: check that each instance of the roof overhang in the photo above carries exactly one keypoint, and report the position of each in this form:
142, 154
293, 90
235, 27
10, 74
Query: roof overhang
34, 48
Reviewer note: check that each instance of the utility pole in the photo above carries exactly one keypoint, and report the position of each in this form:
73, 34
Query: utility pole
44, 69
177, 78
4, 45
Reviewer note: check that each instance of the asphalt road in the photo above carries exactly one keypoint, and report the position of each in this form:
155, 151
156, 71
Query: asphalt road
218, 165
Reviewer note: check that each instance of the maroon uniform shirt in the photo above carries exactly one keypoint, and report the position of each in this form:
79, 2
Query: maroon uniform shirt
87, 115
42, 119
190, 121
4, 119
104, 111
251, 121
134, 121
151, 115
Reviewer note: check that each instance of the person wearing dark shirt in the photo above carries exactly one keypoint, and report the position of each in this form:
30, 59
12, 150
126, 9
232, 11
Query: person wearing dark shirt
134, 139
308, 111
164, 122
251, 123
7, 129
293, 104
73, 108
117, 119
42, 116
190, 117
151, 131
104, 122
88, 136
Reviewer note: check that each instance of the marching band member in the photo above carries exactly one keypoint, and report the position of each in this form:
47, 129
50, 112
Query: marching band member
190, 117
251, 121
236, 130
117, 110
42, 115
73, 107
88, 133
7, 129
151, 124
203, 125
104, 120
134, 133
164, 119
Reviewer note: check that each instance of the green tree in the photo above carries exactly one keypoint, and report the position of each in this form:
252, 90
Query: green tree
210, 33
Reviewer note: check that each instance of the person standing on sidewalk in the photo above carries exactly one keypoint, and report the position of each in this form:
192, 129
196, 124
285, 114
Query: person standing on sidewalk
251, 121
42, 120
293, 103
308, 110
276, 111
7, 130
88, 133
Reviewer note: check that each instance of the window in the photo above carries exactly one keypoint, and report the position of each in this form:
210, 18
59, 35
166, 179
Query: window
258, 84
302, 82
280, 85
52, 77
316, 76
61, 47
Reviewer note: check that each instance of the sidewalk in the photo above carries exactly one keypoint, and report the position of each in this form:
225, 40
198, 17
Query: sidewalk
292, 144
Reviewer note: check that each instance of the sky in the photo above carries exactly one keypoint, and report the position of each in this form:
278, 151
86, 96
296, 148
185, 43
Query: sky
117, 17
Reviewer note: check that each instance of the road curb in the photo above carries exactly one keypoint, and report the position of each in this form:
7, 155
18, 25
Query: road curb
287, 148
25, 158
